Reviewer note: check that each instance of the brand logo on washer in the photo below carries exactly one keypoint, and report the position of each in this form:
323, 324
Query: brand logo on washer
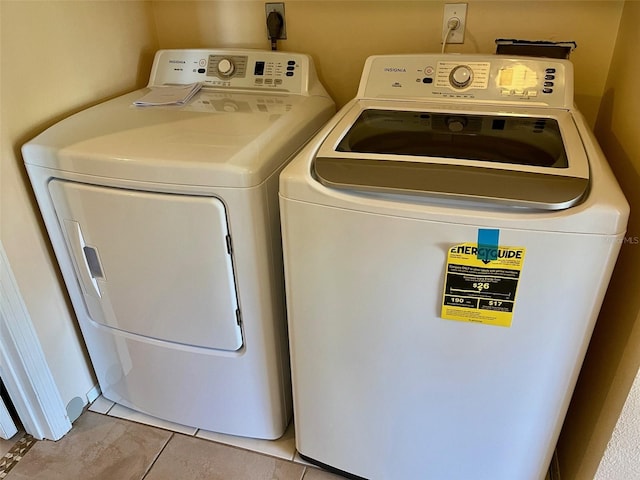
395, 69
177, 61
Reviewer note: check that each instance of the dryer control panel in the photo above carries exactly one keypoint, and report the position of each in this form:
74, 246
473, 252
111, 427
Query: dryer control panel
469, 78
234, 69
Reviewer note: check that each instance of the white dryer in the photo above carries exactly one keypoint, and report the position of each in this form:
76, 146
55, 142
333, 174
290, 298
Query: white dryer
164, 220
448, 240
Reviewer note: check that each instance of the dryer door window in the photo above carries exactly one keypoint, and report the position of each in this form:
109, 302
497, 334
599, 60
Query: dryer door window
152, 264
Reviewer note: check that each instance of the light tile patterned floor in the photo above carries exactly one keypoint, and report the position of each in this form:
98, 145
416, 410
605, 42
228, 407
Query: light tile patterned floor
111, 442
284, 447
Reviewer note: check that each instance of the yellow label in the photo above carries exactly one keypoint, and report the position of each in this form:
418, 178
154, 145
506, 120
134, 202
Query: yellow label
481, 291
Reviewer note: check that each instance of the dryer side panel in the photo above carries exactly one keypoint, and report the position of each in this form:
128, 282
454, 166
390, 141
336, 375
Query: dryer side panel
157, 265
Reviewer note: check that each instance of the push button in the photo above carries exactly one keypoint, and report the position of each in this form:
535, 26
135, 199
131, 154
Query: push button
289, 74
547, 90
549, 77
550, 70
201, 70
548, 84
427, 80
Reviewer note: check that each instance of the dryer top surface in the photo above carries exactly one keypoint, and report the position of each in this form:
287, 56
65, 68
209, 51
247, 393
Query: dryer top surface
236, 131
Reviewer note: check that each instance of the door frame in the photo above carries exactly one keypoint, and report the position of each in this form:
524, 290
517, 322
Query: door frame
23, 367
7, 426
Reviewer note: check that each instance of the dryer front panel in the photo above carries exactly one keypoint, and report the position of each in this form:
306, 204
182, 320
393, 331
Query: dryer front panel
152, 264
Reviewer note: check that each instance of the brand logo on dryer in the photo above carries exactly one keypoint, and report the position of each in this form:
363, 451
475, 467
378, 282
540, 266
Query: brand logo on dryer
395, 69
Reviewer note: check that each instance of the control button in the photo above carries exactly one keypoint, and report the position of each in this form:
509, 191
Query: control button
278, 81
290, 68
201, 70
548, 84
505, 93
268, 81
532, 93
518, 91
549, 77
428, 71
427, 80
547, 90
291, 62
460, 76
226, 67
258, 81
550, 70
289, 74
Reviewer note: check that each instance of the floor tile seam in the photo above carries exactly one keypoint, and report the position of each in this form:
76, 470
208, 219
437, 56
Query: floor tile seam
246, 450
146, 472
304, 471
195, 435
15, 454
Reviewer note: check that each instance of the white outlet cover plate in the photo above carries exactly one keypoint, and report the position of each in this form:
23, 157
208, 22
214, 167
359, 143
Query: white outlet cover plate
454, 10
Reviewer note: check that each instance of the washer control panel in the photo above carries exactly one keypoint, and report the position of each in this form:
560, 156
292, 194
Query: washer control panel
232, 69
469, 78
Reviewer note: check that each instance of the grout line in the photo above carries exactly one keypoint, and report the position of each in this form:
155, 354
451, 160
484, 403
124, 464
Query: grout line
15, 454
146, 472
304, 472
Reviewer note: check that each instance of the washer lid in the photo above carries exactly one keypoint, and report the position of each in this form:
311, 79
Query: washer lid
526, 158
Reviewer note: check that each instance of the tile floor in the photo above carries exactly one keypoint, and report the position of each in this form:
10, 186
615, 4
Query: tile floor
112, 442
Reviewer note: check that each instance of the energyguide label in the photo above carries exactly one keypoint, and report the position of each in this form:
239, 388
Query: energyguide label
481, 287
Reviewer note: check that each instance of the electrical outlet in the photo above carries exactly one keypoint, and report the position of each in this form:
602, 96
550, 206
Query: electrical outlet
277, 7
453, 11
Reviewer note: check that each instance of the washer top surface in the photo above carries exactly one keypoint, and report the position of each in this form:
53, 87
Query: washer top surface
499, 144
237, 130
485, 128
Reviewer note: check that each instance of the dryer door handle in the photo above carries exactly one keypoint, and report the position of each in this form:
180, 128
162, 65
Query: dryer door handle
85, 257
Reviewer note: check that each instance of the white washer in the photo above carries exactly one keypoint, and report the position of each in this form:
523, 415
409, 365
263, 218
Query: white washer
448, 240
165, 223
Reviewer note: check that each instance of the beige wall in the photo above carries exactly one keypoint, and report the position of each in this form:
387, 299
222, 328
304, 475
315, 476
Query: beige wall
340, 35
57, 57
614, 354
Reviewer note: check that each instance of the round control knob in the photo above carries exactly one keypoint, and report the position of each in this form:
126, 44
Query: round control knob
460, 76
456, 124
230, 107
226, 67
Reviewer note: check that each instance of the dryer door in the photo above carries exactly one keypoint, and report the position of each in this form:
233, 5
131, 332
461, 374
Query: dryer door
152, 264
